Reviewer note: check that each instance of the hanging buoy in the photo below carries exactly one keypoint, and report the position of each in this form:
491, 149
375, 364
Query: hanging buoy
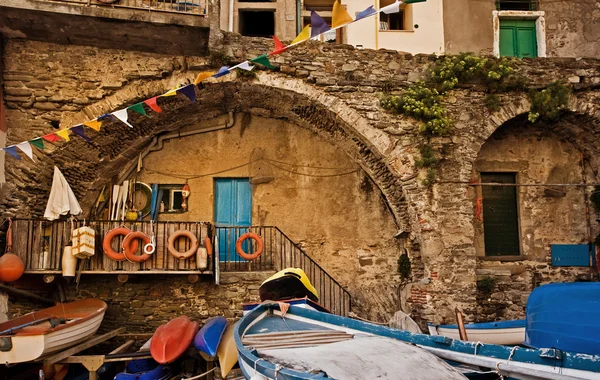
185, 193
69, 262
11, 267
201, 258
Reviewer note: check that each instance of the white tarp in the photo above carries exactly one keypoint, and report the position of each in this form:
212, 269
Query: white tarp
62, 199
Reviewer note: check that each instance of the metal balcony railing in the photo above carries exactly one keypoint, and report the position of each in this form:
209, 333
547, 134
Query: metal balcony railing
198, 7
517, 5
281, 252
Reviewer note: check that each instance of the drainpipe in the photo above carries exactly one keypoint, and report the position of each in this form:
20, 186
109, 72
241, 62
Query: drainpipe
230, 26
298, 16
157, 142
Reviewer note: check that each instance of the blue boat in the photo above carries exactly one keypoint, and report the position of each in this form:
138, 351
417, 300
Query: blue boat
207, 339
565, 316
301, 302
145, 369
301, 344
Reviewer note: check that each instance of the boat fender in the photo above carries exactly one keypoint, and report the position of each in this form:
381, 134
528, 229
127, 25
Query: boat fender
106, 243
208, 246
202, 258
130, 253
259, 246
193, 244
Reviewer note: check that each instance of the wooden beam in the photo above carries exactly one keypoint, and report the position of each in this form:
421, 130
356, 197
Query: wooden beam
136, 336
80, 347
122, 347
19, 292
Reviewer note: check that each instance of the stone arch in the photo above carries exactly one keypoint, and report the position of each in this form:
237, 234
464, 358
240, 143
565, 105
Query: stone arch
89, 167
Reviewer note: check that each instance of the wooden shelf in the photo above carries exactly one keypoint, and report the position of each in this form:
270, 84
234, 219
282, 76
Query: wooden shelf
123, 272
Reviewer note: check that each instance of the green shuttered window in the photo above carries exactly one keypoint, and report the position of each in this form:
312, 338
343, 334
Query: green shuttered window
518, 38
500, 218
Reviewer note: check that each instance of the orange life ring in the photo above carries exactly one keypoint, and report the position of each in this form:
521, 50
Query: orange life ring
106, 243
259, 243
182, 255
208, 245
128, 243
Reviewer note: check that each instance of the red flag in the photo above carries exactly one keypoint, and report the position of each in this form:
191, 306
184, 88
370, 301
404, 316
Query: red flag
152, 104
51, 137
279, 47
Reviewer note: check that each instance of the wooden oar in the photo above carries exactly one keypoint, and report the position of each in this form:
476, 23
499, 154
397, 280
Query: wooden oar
115, 196
53, 323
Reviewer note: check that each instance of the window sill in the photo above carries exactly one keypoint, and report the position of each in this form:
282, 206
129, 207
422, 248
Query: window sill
396, 31
503, 258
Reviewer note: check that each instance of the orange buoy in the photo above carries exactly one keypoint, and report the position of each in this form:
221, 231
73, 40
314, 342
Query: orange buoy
260, 245
11, 267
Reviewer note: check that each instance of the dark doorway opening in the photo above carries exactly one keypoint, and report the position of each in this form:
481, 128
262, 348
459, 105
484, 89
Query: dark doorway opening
257, 23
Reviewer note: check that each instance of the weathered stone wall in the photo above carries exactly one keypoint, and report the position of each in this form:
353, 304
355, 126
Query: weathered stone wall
147, 301
331, 90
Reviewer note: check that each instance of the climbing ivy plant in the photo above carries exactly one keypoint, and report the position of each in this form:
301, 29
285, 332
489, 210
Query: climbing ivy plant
548, 104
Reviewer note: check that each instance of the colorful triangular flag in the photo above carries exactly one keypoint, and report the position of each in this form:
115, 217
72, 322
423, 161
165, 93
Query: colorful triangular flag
26, 148
245, 66
339, 15
79, 131
224, 70
38, 143
153, 105
51, 137
203, 76
104, 117
12, 150
366, 13
171, 92
122, 115
189, 91
317, 24
392, 8
303, 36
263, 60
279, 47
64, 134
139, 108
94, 124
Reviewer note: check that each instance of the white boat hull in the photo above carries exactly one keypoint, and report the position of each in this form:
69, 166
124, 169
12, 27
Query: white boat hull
31, 347
507, 336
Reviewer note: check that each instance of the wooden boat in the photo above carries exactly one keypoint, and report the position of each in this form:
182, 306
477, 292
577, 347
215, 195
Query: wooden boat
565, 316
172, 339
504, 332
300, 347
208, 338
42, 332
320, 332
227, 351
287, 284
300, 302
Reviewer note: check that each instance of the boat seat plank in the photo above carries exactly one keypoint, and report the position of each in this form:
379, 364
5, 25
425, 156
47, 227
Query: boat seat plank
365, 357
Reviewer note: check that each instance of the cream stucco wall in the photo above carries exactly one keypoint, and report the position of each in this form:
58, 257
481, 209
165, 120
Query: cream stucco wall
340, 221
427, 38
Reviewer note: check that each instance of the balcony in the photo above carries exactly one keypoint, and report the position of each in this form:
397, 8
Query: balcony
178, 27
40, 244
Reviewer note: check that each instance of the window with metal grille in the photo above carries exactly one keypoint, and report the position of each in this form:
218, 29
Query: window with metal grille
500, 217
517, 5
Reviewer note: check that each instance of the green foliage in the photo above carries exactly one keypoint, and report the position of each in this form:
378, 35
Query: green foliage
430, 177
549, 103
428, 157
486, 285
218, 58
247, 74
404, 266
492, 102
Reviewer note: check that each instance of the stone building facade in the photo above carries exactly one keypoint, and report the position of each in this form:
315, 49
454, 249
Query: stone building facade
320, 106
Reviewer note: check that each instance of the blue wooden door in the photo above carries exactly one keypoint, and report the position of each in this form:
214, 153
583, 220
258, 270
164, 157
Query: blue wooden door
233, 208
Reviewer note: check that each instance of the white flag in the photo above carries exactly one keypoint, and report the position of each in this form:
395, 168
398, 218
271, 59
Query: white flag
245, 66
26, 148
122, 115
392, 8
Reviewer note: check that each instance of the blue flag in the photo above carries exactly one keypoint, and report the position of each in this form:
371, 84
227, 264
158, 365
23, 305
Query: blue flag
366, 13
317, 24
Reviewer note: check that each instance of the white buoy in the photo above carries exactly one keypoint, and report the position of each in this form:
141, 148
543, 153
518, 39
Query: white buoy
202, 258
69, 263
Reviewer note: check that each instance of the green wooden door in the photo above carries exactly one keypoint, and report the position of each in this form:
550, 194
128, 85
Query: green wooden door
500, 218
518, 38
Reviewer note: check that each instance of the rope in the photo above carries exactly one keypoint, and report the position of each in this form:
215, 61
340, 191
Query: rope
512, 353
477, 345
200, 375
277, 369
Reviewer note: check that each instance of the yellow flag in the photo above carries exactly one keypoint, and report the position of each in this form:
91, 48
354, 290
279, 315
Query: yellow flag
94, 124
64, 134
203, 76
172, 92
339, 16
303, 36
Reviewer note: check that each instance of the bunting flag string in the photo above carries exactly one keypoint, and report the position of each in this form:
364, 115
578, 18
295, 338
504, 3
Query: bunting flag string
317, 27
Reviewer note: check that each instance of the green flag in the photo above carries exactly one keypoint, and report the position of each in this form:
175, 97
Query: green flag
139, 108
263, 60
38, 143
